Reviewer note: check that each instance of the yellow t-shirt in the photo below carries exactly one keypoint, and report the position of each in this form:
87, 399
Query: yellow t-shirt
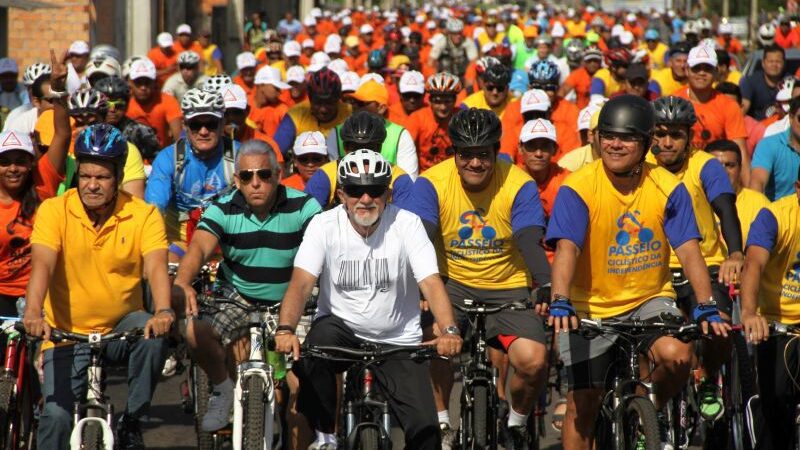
702, 182
304, 121
477, 100
777, 229
134, 166
477, 246
484, 39
603, 78
624, 238
748, 204
656, 56
98, 275
577, 158
664, 79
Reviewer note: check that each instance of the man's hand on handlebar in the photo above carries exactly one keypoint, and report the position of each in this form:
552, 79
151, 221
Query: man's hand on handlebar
35, 325
159, 324
288, 343
447, 344
541, 299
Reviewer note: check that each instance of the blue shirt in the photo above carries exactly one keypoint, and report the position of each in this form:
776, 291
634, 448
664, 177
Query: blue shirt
781, 162
754, 88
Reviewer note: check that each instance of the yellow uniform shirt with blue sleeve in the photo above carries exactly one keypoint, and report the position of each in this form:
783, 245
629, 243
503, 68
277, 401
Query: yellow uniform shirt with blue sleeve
299, 120
624, 239
604, 84
98, 274
477, 228
777, 229
667, 84
478, 100
322, 186
705, 179
748, 205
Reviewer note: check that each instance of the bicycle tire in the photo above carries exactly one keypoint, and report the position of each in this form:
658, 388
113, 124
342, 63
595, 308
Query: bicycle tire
480, 417
637, 417
369, 438
535, 428
254, 410
92, 437
738, 388
202, 391
7, 413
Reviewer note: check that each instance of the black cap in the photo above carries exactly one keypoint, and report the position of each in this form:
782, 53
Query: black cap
636, 71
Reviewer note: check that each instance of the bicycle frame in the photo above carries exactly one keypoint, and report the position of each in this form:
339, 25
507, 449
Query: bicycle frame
96, 409
15, 367
355, 405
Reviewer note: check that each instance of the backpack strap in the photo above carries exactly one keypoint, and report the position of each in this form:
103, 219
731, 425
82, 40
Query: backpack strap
228, 159
178, 161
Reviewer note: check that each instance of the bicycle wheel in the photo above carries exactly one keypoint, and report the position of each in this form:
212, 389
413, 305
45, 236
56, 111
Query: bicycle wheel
637, 425
92, 437
254, 410
480, 417
369, 438
8, 414
684, 417
201, 390
738, 387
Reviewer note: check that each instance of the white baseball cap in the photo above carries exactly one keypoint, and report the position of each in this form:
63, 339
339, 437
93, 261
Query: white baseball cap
430, 25
310, 142
234, 96
16, 140
164, 40
183, 29
626, 38
631, 17
347, 21
366, 29
296, 74
8, 65
557, 30
702, 55
725, 28
308, 43
310, 22
291, 48
539, 128
339, 66
350, 81
142, 68
79, 48
412, 81
534, 100
371, 76
270, 75
586, 114
333, 46
318, 61
245, 60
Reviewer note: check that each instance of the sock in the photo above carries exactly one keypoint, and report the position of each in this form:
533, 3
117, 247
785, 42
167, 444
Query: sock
225, 386
444, 416
516, 419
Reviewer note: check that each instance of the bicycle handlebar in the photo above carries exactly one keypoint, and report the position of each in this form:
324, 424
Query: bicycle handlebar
57, 335
591, 328
368, 353
779, 328
483, 308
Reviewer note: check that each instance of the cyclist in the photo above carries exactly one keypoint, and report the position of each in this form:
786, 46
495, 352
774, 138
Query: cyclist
494, 94
151, 107
268, 109
544, 52
83, 282
246, 63
601, 213
608, 80
23, 117
272, 218
537, 145
310, 153
580, 79
362, 130
428, 126
187, 77
194, 169
712, 197
411, 87
487, 214
118, 95
366, 232
768, 292
164, 57
454, 52
673, 77
12, 93
760, 87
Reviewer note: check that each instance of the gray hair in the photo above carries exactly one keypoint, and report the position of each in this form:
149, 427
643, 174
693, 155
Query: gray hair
257, 147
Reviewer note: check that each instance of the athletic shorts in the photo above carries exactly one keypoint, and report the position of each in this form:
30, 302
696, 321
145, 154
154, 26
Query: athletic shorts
501, 328
588, 360
229, 321
686, 298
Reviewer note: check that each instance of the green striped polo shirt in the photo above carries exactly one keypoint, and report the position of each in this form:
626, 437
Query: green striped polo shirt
258, 257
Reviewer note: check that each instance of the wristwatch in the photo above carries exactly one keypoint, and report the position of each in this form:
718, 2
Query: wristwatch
287, 329
452, 329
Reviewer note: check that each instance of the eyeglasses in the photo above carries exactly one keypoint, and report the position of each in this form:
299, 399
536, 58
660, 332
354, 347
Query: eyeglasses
623, 137
197, 125
494, 88
374, 191
84, 120
674, 134
187, 66
117, 104
246, 175
309, 159
545, 87
468, 155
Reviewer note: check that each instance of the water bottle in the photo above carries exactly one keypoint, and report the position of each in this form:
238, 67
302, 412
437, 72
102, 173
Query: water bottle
21, 307
278, 363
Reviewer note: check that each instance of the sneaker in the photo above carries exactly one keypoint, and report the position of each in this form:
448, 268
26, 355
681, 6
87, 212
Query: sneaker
170, 367
663, 432
321, 446
711, 406
518, 438
129, 434
219, 409
448, 436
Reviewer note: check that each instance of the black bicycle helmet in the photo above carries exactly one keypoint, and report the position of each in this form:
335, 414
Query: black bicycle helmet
363, 128
474, 128
323, 84
673, 110
113, 87
376, 59
628, 114
497, 74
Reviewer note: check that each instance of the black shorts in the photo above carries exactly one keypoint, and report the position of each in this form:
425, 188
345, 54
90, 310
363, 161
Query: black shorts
686, 298
516, 324
779, 362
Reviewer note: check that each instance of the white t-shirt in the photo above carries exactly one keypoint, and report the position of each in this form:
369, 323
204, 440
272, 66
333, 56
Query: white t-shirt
370, 283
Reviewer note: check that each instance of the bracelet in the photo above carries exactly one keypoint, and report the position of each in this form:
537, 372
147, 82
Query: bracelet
167, 310
287, 329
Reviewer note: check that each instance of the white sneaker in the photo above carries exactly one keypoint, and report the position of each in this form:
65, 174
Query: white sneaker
219, 409
322, 446
170, 366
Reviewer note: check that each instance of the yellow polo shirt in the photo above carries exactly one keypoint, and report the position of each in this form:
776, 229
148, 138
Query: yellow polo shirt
98, 275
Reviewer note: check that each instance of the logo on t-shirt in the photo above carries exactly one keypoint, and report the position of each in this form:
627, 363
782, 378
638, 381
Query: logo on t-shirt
474, 221
635, 248
790, 288
362, 274
476, 237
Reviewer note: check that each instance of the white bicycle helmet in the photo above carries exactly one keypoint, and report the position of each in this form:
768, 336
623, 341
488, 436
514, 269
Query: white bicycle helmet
443, 83
196, 102
87, 101
704, 24
103, 50
216, 83
104, 65
766, 34
188, 58
454, 25
126, 66
364, 168
691, 27
34, 71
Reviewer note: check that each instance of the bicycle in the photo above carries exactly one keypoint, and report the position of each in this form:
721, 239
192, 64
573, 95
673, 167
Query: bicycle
367, 420
93, 417
479, 421
18, 393
793, 332
254, 393
627, 419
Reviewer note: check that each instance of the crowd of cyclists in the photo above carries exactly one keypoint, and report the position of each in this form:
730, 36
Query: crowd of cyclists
393, 163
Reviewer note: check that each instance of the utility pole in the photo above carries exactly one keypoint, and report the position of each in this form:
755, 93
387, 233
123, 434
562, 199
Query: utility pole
753, 22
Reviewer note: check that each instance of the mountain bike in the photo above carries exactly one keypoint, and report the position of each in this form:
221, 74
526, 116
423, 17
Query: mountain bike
18, 390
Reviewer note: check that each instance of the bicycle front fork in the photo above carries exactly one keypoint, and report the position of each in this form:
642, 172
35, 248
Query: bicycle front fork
263, 371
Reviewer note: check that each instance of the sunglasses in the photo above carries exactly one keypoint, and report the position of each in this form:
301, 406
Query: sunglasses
246, 175
494, 88
411, 96
703, 68
443, 99
359, 191
197, 125
467, 155
310, 159
624, 138
187, 66
675, 134
84, 120
117, 104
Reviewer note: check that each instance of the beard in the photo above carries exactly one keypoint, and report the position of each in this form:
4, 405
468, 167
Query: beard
365, 220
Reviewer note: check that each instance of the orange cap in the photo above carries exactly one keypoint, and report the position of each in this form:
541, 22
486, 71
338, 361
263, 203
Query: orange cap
372, 91
530, 31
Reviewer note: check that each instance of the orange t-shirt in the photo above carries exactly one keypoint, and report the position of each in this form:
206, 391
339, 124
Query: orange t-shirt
193, 46
158, 114
431, 138
15, 247
163, 61
718, 118
398, 115
267, 118
547, 194
249, 90
294, 181
357, 64
580, 80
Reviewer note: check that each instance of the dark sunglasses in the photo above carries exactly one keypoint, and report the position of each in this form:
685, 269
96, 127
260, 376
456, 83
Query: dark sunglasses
246, 175
197, 125
187, 66
467, 155
623, 137
545, 87
675, 134
374, 191
494, 88
443, 99
703, 68
117, 104
310, 159
411, 96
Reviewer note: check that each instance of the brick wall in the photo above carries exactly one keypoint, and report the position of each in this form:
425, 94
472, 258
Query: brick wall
31, 34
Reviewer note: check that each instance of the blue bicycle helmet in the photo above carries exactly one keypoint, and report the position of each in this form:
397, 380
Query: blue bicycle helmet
544, 72
102, 142
376, 59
